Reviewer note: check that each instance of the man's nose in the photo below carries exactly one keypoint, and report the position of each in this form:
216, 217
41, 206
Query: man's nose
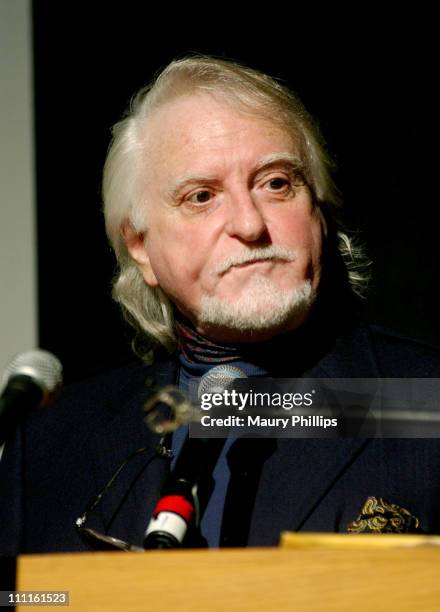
245, 219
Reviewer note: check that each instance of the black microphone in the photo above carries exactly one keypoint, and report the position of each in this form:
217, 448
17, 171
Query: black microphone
178, 507
31, 380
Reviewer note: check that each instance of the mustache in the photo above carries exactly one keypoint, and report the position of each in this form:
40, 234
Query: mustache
271, 251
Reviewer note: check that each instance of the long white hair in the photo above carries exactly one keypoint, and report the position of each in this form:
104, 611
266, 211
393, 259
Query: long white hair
146, 308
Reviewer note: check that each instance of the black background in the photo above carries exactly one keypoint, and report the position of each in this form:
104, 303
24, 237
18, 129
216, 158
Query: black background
369, 81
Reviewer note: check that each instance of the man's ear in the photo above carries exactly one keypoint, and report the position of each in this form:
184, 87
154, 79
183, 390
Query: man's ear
135, 243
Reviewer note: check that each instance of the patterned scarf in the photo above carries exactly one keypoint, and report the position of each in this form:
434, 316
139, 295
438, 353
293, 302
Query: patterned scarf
198, 349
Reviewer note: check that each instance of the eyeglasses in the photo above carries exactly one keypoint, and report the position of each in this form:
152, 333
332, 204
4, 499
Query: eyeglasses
99, 539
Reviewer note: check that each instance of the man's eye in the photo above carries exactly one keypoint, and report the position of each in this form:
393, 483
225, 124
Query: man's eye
200, 197
278, 184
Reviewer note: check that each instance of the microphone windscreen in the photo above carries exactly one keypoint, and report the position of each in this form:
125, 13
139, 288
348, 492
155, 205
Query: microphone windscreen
219, 378
43, 368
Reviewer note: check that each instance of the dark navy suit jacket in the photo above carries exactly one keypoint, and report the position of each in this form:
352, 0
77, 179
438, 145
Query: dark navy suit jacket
63, 455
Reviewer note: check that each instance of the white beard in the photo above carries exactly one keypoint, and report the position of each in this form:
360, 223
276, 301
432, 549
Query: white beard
260, 307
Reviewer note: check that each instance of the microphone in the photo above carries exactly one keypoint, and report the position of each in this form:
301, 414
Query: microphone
178, 507
219, 378
30, 380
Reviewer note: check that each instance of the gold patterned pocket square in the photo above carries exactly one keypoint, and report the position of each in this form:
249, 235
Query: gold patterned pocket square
380, 516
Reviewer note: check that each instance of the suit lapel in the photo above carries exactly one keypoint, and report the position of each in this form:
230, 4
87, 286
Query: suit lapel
301, 472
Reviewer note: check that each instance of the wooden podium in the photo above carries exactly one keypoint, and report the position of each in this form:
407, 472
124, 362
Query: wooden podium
309, 572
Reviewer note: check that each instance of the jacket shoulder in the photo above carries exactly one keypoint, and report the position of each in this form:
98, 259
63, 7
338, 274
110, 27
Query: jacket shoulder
400, 356
107, 394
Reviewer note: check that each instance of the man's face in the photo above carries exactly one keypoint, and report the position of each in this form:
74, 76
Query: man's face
232, 237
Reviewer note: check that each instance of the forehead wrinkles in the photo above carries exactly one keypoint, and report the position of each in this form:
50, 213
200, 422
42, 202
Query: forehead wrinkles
200, 118
186, 139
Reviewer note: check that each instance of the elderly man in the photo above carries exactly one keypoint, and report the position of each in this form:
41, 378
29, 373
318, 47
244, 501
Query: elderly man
223, 217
